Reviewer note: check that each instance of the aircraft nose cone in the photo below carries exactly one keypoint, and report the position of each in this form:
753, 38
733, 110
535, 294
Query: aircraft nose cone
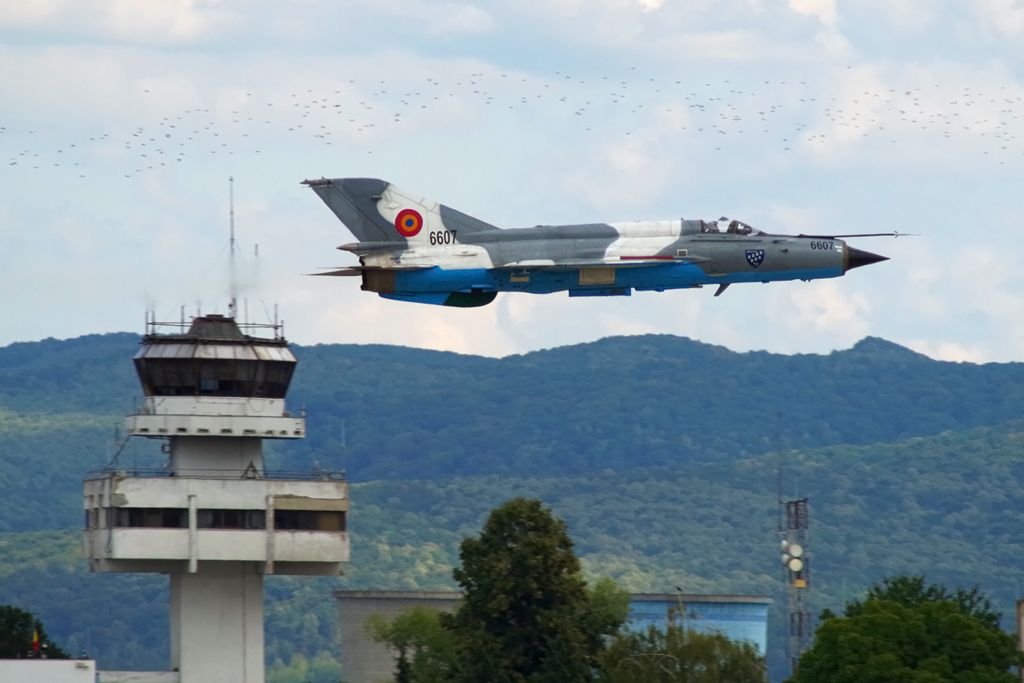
855, 258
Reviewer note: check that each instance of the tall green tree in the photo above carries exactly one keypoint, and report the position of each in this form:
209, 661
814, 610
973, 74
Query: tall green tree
18, 631
526, 614
679, 655
908, 632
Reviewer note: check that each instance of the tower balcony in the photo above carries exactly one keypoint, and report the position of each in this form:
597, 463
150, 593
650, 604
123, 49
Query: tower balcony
150, 521
215, 416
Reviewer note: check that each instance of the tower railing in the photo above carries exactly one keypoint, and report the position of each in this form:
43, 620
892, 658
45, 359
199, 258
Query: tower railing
157, 328
223, 474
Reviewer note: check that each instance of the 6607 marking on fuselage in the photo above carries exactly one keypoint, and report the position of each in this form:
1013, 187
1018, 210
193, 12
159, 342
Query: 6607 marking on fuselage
817, 244
442, 236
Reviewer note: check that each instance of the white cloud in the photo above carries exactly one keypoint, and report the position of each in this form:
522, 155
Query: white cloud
794, 220
907, 17
629, 172
831, 42
650, 5
21, 14
433, 18
451, 18
923, 295
822, 10
826, 307
733, 45
1003, 16
171, 20
133, 21
949, 351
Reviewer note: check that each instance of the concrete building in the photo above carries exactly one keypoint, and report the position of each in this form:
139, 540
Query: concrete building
362, 659
739, 617
214, 518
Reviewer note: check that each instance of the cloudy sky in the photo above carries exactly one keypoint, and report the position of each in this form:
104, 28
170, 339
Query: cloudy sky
123, 119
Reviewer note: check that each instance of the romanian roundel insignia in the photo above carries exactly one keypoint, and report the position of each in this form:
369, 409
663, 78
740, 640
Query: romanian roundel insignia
755, 257
408, 222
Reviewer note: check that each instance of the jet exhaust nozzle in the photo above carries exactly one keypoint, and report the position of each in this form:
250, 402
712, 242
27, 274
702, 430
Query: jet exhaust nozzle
855, 258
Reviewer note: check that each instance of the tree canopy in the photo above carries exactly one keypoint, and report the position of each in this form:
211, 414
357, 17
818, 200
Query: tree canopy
912, 591
23, 636
426, 649
679, 655
908, 632
526, 614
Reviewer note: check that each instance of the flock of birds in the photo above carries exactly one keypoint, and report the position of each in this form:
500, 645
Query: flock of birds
780, 116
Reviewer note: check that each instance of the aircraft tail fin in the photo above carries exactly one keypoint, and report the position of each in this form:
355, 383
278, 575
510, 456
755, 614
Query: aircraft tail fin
376, 211
354, 202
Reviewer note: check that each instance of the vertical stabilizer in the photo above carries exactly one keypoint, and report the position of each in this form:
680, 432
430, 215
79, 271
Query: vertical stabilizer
377, 211
354, 202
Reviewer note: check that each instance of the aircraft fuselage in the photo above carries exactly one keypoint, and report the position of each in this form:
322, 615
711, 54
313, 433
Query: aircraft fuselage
417, 250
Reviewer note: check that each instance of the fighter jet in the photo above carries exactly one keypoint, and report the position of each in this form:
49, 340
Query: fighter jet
413, 249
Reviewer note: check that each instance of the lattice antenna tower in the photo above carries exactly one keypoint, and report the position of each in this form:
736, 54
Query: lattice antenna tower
794, 530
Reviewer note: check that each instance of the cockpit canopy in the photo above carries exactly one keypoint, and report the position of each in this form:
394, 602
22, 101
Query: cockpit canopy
733, 227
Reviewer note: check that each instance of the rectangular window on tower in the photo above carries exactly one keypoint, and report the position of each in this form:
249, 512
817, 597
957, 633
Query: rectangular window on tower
309, 520
231, 519
152, 518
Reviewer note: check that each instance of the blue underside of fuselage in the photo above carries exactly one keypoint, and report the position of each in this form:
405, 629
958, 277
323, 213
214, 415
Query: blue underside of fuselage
434, 285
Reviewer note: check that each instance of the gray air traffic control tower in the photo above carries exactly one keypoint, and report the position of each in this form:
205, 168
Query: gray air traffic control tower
213, 517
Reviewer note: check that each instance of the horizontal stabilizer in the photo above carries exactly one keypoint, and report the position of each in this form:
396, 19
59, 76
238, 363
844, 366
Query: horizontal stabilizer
367, 247
353, 271
341, 272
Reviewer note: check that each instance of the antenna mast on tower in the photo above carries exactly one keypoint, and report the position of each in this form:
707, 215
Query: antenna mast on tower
233, 284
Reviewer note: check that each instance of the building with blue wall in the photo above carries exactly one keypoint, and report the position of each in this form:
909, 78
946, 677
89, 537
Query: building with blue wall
738, 617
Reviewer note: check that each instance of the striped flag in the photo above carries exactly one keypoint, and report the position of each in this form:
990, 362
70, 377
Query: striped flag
35, 640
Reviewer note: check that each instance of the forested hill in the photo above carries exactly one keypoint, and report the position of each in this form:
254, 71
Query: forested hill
948, 506
622, 402
629, 401
660, 452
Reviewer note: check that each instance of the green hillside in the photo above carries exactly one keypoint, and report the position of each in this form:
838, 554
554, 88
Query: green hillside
947, 506
397, 413
661, 453
626, 402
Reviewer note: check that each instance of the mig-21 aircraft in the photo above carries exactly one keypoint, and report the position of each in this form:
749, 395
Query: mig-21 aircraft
413, 249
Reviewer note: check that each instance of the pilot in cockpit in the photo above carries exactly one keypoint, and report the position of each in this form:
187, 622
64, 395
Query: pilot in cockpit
740, 228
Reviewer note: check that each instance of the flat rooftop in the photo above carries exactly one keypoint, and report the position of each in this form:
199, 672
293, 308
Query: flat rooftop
637, 597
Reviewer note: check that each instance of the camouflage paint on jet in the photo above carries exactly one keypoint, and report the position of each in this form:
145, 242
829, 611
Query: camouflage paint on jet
411, 248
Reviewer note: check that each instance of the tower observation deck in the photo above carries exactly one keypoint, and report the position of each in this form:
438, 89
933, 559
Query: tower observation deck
213, 517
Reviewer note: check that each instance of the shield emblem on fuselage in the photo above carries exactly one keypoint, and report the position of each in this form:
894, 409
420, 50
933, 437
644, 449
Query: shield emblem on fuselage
755, 257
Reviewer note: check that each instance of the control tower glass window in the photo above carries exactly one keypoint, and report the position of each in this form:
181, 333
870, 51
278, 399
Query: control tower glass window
205, 377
